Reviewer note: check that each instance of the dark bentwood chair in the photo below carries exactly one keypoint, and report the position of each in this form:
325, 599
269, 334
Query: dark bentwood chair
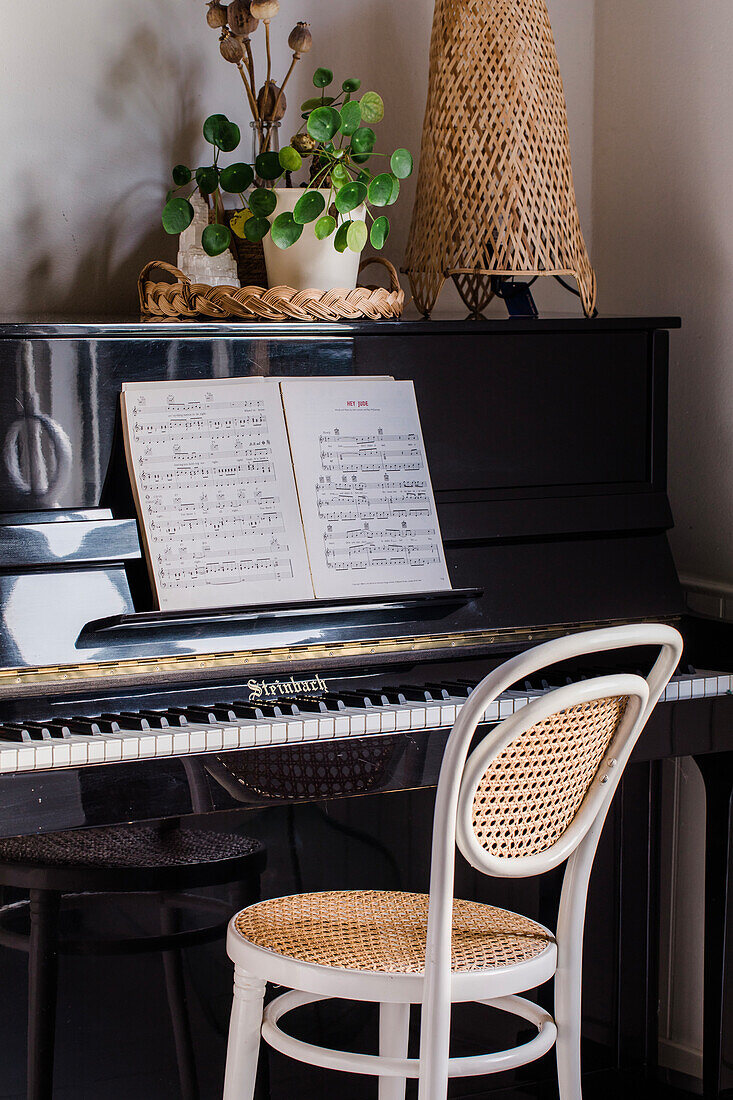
157, 864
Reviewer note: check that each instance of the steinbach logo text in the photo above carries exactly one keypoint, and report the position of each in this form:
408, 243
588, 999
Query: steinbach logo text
261, 689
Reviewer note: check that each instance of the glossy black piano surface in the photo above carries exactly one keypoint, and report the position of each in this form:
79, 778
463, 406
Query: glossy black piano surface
547, 448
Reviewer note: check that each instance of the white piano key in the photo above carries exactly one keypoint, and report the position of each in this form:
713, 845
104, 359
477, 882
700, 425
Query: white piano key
214, 739
448, 713
418, 717
357, 721
8, 760
27, 759
164, 743
373, 720
326, 727
342, 725
231, 738
433, 716
685, 689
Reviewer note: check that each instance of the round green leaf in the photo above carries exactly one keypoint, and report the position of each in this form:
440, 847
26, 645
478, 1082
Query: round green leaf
323, 123
285, 230
340, 175
290, 159
395, 190
262, 202
215, 239
222, 133
401, 163
350, 117
324, 227
311, 104
181, 175
350, 196
255, 229
322, 78
268, 167
339, 241
380, 189
372, 107
364, 176
379, 232
356, 236
351, 85
308, 207
207, 180
211, 127
177, 215
236, 178
363, 140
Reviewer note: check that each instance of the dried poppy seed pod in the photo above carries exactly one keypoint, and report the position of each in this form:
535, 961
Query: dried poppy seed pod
267, 98
241, 20
230, 48
304, 144
216, 16
300, 40
265, 9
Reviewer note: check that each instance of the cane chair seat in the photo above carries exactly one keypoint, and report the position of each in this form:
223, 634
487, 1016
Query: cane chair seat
386, 931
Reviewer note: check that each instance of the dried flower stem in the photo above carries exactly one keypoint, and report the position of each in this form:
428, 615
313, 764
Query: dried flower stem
251, 67
250, 95
269, 59
296, 57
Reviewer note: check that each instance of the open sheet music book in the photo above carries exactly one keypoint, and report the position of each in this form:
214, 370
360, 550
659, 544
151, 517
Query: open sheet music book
257, 490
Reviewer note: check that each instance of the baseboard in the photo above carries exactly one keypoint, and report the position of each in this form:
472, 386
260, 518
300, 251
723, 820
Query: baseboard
680, 1058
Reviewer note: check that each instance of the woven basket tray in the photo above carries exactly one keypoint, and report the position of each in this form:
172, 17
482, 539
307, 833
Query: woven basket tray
184, 299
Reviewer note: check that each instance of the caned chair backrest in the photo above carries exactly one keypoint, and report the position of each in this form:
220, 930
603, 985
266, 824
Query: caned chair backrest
535, 791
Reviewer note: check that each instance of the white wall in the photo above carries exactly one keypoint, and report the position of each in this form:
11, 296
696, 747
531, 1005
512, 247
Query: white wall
663, 234
663, 242
99, 100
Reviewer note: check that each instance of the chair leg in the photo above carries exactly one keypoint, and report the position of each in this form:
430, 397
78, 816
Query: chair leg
178, 1006
42, 988
244, 1036
567, 1046
394, 1032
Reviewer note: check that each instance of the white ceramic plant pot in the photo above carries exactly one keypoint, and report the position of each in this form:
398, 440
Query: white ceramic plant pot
309, 263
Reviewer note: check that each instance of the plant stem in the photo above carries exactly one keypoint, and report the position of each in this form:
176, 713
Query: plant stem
250, 96
279, 97
269, 59
250, 65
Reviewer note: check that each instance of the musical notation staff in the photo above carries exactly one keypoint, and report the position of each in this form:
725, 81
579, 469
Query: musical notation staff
364, 486
216, 491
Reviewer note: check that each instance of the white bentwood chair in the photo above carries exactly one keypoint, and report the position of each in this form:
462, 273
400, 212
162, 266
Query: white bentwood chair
533, 793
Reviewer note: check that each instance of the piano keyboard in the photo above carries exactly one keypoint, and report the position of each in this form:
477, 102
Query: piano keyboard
222, 727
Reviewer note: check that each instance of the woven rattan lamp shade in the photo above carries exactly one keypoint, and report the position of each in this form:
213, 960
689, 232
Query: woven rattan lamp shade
495, 191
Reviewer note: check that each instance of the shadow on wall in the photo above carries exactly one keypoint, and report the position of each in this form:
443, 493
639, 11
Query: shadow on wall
148, 99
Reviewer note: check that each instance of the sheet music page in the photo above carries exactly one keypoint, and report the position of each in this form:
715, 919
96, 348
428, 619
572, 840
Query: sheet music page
366, 499
213, 481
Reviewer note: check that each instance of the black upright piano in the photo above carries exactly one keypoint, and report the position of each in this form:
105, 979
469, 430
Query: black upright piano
547, 446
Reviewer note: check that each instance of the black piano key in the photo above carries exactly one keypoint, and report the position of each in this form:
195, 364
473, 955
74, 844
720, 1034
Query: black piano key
333, 701
393, 695
173, 718
156, 719
310, 704
204, 715
270, 710
94, 726
15, 734
360, 699
458, 689
424, 693
58, 728
36, 730
128, 720
438, 691
246, 710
